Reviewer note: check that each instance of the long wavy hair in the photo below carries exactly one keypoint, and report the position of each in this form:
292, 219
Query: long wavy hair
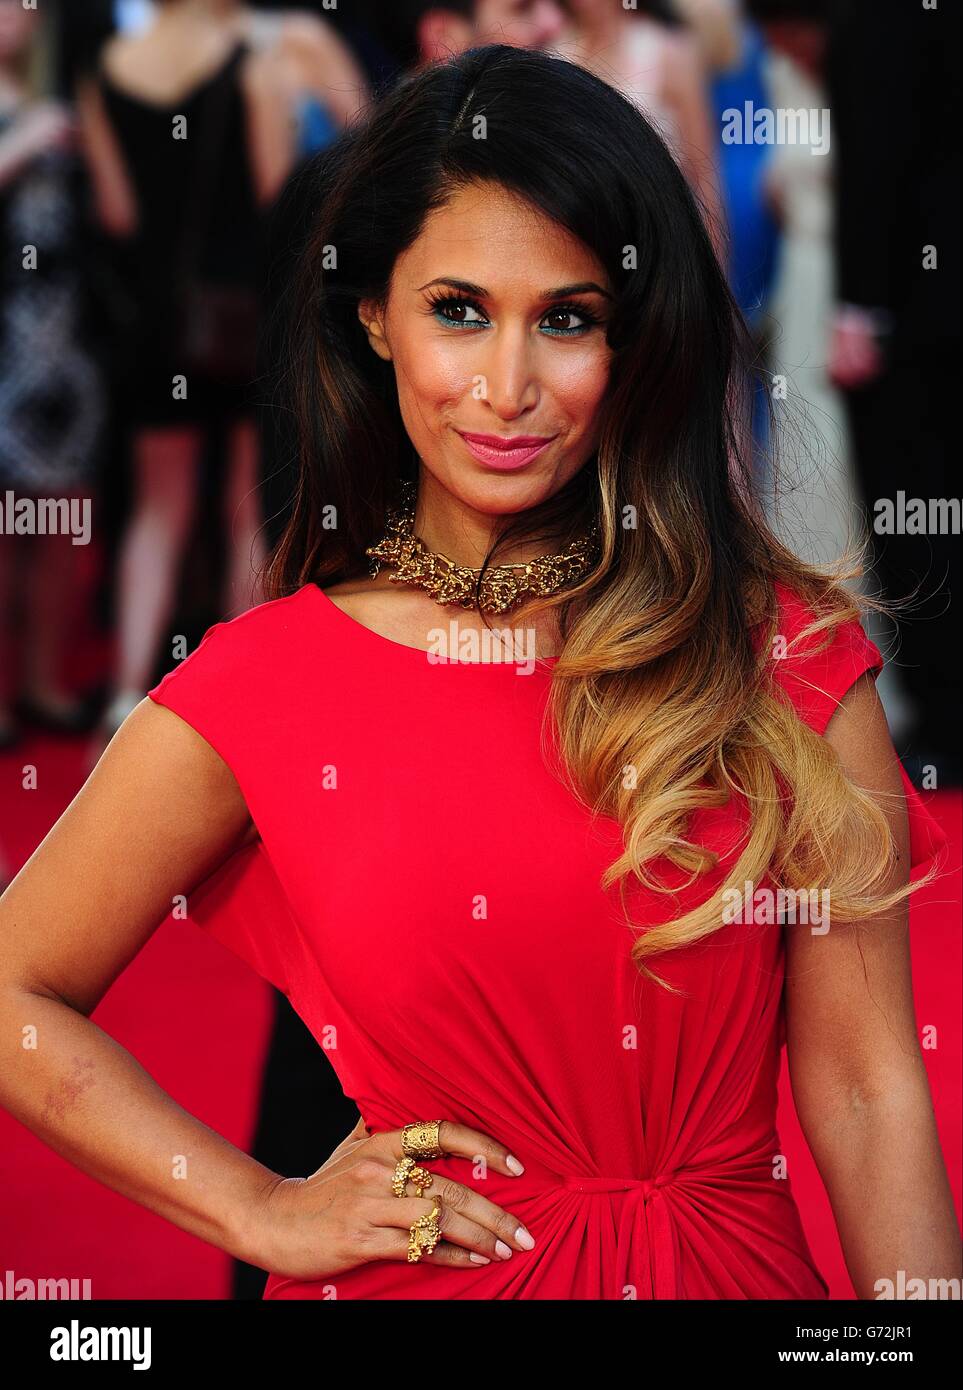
663, 671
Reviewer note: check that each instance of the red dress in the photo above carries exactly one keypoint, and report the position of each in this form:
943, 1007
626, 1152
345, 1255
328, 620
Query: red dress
426, 893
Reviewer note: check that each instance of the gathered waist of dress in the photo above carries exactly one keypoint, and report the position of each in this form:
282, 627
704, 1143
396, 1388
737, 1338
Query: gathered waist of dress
742, 1168
720, 1199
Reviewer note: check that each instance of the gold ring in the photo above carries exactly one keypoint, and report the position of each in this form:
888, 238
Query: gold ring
423, 1235
420, 1140
406, 1170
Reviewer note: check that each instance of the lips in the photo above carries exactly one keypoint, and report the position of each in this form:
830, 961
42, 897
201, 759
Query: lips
499, 451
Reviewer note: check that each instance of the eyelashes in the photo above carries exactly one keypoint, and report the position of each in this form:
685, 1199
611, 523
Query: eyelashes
440, 302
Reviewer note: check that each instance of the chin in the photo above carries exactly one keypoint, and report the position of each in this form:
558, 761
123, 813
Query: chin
501, 494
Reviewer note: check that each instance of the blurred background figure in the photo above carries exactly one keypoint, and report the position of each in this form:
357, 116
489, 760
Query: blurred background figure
822, 505
734, 53
652, 57
326, 87
894, 79
51, 396
253, 94
734, 56
429, 31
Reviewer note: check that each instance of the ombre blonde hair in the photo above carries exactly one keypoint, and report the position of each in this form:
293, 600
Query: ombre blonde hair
693, 712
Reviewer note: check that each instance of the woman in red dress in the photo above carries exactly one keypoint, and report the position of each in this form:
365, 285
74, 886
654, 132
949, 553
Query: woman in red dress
553, 791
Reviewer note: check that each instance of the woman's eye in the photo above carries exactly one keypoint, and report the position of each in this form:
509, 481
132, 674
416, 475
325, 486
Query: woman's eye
565, 321
463, 313
459, 312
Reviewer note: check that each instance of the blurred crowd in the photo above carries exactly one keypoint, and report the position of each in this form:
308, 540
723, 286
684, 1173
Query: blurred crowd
131, 254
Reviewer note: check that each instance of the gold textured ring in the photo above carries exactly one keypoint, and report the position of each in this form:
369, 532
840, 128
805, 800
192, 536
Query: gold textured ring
406, 1170
423, 1235
420, 1140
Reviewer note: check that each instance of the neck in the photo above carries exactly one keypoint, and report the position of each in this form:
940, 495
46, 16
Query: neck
447, 527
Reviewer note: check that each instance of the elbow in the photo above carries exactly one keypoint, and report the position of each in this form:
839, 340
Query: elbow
861, 1101
16, 993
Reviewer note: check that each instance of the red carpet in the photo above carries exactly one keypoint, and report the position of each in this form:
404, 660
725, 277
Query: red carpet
199, 1021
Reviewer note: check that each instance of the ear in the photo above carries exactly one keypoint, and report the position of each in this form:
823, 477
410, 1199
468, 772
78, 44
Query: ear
373, 324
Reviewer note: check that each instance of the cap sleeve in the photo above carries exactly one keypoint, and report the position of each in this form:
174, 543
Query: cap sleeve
243, 903
199, 690
815, 682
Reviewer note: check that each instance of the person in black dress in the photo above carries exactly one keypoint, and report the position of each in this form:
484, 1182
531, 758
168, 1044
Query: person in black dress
185, 141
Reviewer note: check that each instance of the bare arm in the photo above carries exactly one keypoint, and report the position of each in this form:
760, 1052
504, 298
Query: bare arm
857, 1071
156, 817
270, 122
329, 67
306, 56
114, 196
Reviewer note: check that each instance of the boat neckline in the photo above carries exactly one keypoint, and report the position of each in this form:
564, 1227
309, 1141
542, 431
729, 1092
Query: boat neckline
546, 662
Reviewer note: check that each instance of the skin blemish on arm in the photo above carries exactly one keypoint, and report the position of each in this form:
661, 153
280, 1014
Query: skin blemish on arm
69, 1090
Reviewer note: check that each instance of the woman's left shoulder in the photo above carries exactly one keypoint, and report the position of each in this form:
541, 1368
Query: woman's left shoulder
815, 659
816, 670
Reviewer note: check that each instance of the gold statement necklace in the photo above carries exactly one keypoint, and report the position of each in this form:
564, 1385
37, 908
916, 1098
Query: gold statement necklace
502, 586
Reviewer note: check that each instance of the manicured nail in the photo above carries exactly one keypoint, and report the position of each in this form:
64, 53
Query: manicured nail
479, 1259
505, 1251
513, 1163
524, 1239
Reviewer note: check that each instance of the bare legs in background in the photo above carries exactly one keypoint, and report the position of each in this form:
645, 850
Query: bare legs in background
166, 467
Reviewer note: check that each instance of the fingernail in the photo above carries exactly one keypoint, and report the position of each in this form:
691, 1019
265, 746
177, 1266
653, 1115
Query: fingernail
524, 1239
513, 1163
503, 1250
479, 1259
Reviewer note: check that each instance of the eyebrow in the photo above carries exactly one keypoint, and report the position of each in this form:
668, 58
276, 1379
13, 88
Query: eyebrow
478, 292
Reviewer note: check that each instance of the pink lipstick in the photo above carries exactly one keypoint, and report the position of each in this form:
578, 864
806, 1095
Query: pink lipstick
505, 452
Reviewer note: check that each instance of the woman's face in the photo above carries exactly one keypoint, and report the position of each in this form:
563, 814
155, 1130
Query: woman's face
495, 326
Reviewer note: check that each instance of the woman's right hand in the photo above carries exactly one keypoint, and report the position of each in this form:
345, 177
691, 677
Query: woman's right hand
346, 1214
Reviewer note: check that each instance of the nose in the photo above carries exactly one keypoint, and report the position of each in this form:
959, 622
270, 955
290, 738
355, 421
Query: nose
509, 379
